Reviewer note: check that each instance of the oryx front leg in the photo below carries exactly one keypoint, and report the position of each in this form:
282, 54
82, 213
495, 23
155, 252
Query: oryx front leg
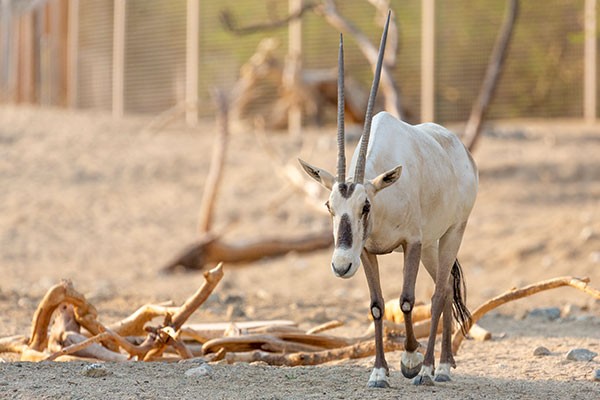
411, 360
379, 376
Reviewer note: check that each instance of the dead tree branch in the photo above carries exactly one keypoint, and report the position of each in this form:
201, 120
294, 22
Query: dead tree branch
198, 255
215, 172
279, 343
328, 10
358, 350
230, 24
492, 76
389, 88
211, 248
515, 294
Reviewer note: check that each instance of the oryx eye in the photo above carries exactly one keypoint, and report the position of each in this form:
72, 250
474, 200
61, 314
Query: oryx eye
366, 208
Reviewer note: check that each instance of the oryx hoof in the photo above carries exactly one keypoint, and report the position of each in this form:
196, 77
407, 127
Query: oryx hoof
424, 377
378, 378
411, 363
378, 384
424, 380
442, 373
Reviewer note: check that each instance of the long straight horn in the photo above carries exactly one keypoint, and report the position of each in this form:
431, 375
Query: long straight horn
359, 174
341, 165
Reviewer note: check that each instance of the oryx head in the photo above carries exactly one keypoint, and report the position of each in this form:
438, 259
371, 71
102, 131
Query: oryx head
350, 200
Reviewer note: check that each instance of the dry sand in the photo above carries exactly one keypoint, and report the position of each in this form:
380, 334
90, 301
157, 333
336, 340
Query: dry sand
106, 204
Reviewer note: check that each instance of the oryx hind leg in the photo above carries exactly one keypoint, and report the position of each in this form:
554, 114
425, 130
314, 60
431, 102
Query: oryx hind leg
379, 375
442, 372
411, 361
442, 297
430, 260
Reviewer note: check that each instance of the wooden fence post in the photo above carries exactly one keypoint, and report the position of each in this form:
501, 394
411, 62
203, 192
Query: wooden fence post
590, 57
118, 70
427, 61
191, 62
73, 54
295, 58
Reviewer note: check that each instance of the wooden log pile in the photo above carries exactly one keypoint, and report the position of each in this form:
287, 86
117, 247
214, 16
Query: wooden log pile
66, 327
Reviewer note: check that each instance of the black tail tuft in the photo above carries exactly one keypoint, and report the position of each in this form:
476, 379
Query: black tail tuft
459, 307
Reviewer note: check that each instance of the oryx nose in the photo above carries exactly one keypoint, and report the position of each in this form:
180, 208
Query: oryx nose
340, 272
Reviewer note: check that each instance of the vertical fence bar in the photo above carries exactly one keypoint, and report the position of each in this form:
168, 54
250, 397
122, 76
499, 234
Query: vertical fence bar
25, 71
427, 61
6, 91
118, 70
590, 56
73, 54
294, 66
191, 62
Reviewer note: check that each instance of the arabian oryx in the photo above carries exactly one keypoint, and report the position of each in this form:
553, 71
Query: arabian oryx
412, 191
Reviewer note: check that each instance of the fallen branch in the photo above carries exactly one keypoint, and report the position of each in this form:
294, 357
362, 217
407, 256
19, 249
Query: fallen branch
198, 255
515, 294
134, 324
84, 344
358, 350
85, 313
13, 344
167, 334
324, 327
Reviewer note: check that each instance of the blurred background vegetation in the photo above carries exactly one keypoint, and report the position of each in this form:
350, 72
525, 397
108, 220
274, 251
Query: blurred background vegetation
543, 75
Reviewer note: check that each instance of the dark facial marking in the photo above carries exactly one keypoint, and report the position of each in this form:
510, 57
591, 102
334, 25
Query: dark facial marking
346, 189
344, 233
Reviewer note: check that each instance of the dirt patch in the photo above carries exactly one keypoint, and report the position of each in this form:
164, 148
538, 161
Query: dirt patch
106, 205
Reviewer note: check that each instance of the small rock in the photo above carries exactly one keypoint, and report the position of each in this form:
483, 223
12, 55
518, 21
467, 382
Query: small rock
570, 310
233, 299
95, 370
597, 375
581, 355
550, 313
541, 351
202, 370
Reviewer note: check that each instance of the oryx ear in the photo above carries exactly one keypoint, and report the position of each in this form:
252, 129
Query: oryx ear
387, 178
319, 175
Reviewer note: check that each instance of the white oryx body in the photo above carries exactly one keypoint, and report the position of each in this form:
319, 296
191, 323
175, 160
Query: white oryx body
412, 190
436, 189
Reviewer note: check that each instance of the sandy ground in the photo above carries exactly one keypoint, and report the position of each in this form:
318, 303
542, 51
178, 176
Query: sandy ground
106, 204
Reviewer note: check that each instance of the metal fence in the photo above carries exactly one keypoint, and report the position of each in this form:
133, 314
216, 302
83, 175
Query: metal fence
67, 48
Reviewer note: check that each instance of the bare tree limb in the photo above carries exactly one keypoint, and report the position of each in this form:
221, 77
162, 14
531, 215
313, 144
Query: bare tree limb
515, 294
13, 344
492, 76
329, 11
197, 255
85, 343
217, 161
389, 88
230, 24
85, 313
358, 350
